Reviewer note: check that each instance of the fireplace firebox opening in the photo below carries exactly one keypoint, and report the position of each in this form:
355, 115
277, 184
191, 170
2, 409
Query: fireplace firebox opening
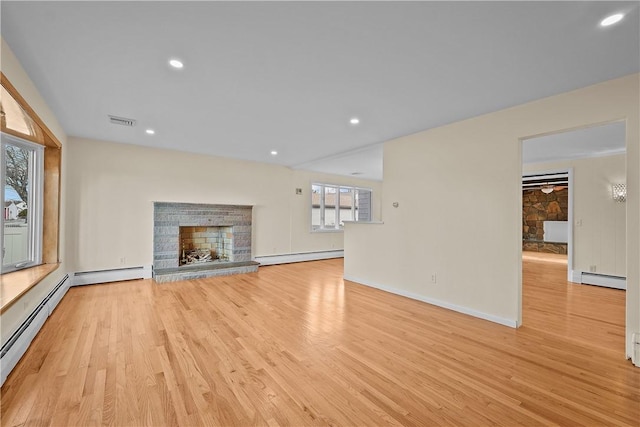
200, 245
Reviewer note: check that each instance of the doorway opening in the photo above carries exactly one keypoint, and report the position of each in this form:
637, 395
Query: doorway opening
547, 217
568, 201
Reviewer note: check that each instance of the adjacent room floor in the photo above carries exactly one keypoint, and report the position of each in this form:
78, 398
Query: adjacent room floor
296, 345
591, 315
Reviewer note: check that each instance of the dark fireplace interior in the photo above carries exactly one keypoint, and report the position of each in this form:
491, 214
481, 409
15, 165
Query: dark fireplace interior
199, 245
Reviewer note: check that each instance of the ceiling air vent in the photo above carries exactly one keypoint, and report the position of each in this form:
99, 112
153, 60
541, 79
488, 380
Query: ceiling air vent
122, 121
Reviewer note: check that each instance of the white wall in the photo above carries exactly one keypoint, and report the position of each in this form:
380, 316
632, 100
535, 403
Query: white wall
599, 233
111, 189
450, 182
13, 316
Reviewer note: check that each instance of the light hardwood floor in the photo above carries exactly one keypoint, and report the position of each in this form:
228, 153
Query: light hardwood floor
591, 315
295, 345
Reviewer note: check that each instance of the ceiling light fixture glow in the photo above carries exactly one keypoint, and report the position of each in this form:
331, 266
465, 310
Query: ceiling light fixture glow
547, 188
176, 63
354, 121
612, 19
150, 131
274, 153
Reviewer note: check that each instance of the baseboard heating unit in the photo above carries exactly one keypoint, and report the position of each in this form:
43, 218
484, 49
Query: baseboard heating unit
114, 275
19, 342
604, 280
299, 257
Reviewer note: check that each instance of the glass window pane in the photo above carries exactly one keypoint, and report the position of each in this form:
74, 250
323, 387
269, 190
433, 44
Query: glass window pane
346, 200
330, 201
363, 205
316, 195
16, 205
14, 117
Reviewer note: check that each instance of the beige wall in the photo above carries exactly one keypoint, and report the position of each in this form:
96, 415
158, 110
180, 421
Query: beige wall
450, 181
111, 189
599, 233
14, 72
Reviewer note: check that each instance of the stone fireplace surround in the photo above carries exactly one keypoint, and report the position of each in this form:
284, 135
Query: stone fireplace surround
168, 217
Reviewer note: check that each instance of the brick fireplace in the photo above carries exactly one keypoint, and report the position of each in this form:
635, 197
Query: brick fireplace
193, 241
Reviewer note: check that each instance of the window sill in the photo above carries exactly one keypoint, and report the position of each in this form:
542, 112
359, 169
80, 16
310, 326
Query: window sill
364, 222
328, 230
16, 284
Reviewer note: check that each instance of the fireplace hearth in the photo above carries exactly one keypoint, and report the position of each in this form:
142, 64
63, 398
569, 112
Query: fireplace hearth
192, 241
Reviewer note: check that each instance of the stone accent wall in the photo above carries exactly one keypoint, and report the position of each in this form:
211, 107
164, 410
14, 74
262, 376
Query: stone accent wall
550, 248
538, 207
169, 217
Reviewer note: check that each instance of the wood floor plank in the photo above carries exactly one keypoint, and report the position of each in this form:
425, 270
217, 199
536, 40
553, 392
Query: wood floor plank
297, 345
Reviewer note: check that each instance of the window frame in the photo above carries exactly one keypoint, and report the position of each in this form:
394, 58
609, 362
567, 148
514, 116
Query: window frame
34, 204
17, 283
338, 228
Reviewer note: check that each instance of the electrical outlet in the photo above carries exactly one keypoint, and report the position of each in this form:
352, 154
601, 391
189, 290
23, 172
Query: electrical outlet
123, 260
579, 222
592, 268
434, 278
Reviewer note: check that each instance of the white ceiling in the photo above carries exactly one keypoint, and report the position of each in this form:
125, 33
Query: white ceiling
287, 76
361, 163
603, 140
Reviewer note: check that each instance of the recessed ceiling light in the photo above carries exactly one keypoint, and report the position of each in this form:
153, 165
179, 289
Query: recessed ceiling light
613, 19
356, 173
354, 120
150, 131
274, 153
175, 63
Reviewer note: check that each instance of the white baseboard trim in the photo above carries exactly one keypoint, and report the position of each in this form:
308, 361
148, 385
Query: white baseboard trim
305, 256
18, 343
460, 309
604, 280
576, 276
635, 349
104, 276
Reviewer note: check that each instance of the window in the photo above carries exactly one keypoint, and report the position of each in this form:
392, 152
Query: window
22, 185
331, 205
33, 239
15, 119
